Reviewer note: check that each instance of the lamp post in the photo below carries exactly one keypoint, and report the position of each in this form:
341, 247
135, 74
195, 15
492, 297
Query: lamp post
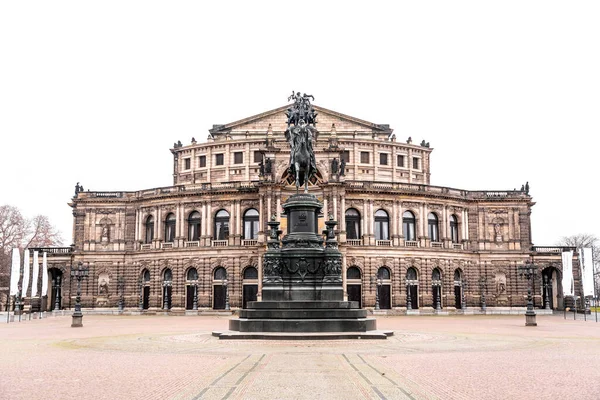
57, 293
482, 287
528, 271
166, 285
464, 294
225, 284
78, 273
546, 297
121, 283
141, 288
378, 283
408, 296
195, 299
18, 302
437, 286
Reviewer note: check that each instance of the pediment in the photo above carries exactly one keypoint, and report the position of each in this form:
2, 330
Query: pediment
276, 121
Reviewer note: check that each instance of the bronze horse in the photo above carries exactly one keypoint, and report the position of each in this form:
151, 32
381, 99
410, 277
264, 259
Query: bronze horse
302, 163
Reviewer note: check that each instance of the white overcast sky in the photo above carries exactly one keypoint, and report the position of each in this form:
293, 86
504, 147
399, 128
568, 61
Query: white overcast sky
505, 91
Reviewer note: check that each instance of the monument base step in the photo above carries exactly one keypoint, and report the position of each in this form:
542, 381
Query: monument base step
303, 325
302, 336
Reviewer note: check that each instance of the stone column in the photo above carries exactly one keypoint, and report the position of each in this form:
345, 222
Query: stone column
344, 282
342, 220
363, 224
278, 210
137, 229
209, 227
260, 278
325, 206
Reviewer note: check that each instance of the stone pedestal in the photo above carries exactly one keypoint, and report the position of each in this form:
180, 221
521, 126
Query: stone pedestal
530, 318
302, 288
77, 320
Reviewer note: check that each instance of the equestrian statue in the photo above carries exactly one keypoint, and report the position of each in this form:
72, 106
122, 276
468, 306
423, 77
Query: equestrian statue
300, 133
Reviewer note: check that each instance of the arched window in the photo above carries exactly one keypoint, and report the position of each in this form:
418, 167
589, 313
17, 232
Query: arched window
168, 275
149, 229
352, 224
250, 273
192, 274
221, 225
251, 224
194, 226
220, 274
454, 229
382, 223
383, 273
170, 223
146, 275
408, 226
353, 273
436, 275
457, 275
434, 231
411, 274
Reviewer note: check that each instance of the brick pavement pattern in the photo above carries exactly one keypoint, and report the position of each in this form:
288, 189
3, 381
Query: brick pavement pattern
166, 357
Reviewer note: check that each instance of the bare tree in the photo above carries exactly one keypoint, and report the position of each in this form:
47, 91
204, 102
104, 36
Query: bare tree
42, 233
13, 228
19, 232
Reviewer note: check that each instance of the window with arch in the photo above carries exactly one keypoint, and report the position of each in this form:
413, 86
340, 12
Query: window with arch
457, 275
170, 223
220, 274
149, 229
408, 226
383, 273
436, 275
146, 276
454, 228
352, 224
434, 231
250, 273
167, 275
353, 273
194, 226
251, 224
382, 223
192, 274
411, 274
221, 231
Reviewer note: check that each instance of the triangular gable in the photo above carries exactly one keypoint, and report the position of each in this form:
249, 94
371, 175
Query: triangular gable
276, 120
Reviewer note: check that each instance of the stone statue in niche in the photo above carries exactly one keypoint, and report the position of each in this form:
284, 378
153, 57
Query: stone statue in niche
500, 283
105, 234
498, 230
334, 166
103, 282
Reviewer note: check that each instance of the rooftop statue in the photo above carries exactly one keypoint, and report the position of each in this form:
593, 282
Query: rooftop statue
300, 134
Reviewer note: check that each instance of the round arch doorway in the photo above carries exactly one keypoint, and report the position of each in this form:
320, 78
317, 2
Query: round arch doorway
552, 288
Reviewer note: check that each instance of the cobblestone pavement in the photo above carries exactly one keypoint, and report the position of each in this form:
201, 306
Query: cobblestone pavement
166, 357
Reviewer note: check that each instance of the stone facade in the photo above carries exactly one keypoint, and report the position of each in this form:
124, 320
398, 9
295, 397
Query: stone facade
397, 232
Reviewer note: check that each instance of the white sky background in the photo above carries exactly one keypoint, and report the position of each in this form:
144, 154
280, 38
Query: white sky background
506, 92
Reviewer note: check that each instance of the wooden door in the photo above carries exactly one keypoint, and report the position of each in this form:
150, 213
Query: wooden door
250, 293
355, 294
